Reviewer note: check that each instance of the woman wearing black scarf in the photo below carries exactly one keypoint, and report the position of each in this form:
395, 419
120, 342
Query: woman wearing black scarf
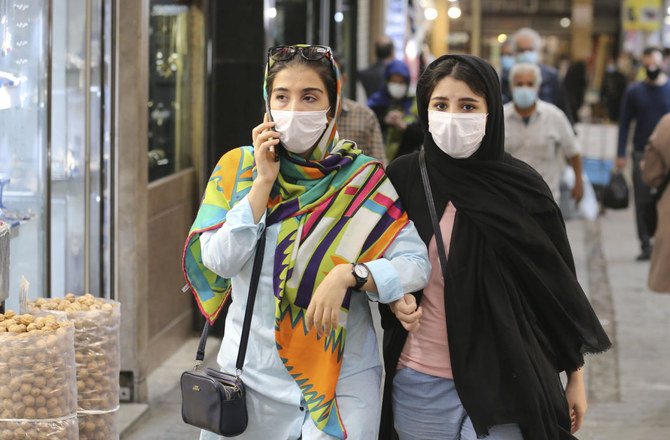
516, 314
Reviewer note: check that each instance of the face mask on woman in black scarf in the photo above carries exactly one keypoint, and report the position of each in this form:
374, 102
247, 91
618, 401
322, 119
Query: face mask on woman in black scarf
456, 118
515, 312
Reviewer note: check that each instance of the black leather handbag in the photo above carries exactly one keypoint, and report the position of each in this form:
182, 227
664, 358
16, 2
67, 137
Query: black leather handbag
213, 400
615, 195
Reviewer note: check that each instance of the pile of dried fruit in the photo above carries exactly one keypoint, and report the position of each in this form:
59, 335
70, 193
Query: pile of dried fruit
38, 391
97, 351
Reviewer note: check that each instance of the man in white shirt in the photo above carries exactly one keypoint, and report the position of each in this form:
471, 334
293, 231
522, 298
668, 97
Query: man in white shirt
539, 133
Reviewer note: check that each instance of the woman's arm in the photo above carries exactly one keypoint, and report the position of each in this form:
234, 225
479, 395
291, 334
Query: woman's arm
404, 268
226, 250
654, 169
575, 393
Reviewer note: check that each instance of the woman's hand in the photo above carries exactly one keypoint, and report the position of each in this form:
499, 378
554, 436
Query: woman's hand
575, 392
324, 307
267, 168
265, 141
407, 312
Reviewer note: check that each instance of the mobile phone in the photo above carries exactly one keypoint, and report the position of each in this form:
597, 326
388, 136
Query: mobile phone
277, 148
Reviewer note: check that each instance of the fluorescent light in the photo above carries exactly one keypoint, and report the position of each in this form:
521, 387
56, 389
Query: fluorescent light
271, 12
339, 17
454, 12
502, 38
565, 22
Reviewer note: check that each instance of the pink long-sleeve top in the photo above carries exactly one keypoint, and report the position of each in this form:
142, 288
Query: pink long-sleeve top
427, 349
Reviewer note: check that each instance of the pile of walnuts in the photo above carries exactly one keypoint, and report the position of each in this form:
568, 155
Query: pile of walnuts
37, 378
97, 351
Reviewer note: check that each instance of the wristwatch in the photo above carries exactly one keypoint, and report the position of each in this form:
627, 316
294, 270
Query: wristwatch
361, 273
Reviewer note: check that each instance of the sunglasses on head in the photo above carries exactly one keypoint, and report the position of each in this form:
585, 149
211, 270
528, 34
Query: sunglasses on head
310, 53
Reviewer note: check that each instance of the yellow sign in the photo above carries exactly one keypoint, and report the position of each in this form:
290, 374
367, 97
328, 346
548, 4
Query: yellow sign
642, 15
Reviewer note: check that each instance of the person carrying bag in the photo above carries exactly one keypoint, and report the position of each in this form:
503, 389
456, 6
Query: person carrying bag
656, 174
336, 237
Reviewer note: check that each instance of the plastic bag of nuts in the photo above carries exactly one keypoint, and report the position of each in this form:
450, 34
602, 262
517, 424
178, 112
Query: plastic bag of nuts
97, 351
38, 388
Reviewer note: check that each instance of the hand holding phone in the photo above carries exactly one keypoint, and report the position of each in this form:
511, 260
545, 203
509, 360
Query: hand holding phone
265, 141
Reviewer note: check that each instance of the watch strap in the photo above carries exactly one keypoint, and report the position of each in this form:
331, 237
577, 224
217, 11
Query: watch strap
359, 281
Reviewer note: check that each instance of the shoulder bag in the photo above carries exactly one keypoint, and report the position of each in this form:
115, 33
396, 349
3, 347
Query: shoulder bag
213, 400
439, 241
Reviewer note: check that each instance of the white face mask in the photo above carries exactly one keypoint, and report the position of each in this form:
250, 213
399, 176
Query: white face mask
457, 134
299, 131
397, 91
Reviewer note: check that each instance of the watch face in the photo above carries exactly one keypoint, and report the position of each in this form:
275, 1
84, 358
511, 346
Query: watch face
361, 271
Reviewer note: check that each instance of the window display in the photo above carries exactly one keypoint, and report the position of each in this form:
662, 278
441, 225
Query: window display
23, 137
54, 143
170, 86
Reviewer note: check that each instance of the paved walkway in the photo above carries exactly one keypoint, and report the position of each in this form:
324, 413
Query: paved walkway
632, 403
629, 387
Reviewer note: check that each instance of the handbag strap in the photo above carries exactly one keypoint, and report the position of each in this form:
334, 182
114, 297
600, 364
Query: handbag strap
251, 300
439, 242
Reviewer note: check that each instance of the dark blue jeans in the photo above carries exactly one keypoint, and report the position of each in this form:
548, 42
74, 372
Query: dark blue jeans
644, 205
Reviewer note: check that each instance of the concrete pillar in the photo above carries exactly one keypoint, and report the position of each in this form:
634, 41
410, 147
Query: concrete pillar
131, 176
582, 29
476, 28
439, 42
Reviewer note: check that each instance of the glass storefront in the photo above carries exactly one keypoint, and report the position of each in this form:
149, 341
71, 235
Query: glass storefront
55, 144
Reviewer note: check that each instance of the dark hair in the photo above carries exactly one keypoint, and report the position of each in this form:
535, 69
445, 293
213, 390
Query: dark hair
384, 48
455, 69
650, 50
322, 67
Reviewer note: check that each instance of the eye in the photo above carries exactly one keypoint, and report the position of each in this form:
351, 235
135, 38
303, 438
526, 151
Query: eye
469, 107
280, 97
310, 99
441, 106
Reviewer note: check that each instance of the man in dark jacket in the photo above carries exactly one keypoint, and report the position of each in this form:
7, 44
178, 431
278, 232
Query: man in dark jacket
645, 102
372, 78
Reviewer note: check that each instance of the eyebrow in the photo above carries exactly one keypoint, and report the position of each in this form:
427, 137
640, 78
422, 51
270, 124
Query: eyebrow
306, 90
466, 99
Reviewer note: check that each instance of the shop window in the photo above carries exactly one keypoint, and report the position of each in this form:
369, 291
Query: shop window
23, 138
170, 90
55, 144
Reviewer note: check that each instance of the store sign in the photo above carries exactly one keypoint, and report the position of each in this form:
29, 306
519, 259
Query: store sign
396, 24
642, 15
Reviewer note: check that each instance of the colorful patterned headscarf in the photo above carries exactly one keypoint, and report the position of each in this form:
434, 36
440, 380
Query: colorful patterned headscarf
334, 208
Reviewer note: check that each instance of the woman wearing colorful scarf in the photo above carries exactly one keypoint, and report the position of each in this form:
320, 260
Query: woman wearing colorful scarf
505, 313
337, 236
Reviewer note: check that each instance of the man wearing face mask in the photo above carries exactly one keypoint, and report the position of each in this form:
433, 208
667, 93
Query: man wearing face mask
539, 133
526, 44
645, 102
394, 106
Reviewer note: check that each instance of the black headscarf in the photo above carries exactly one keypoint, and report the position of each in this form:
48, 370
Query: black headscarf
516, 314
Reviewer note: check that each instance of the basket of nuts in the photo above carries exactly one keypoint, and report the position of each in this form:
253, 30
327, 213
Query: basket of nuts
38, 388
96, 345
